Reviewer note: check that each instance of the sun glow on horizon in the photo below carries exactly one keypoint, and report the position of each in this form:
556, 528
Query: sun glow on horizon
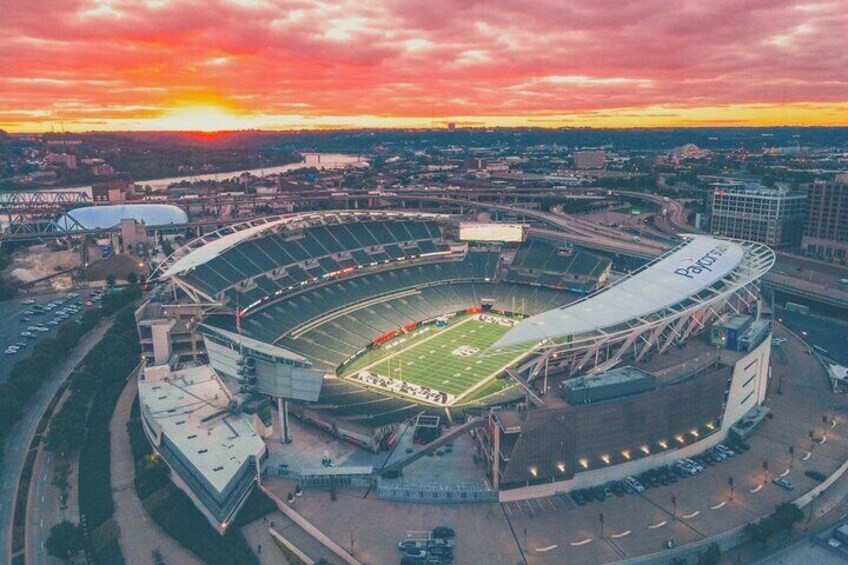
205, 117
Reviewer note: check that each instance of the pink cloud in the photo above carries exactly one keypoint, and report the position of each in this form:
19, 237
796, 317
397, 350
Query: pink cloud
417, 58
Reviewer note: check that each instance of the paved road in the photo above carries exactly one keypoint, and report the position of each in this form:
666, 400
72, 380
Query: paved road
43, 510
44, 505
19, 438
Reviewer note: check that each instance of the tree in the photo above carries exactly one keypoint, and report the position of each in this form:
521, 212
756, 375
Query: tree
110, 280
754, 532
786, 515
712, 555
65, 541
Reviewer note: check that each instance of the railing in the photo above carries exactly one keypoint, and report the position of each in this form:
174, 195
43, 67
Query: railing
436, 493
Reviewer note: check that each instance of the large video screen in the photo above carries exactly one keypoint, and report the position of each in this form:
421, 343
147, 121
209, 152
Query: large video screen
478, 231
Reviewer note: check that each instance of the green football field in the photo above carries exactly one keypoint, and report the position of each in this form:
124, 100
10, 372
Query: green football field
453, 360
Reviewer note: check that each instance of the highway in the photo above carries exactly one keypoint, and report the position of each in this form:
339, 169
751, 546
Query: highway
21, 435
44, 510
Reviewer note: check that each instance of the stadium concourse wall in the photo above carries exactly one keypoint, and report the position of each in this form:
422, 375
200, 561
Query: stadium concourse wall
749, 382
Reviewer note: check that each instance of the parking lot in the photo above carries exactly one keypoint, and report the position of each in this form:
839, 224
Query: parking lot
24, 315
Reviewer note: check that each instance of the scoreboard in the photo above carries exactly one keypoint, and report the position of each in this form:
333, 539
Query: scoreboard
479, 231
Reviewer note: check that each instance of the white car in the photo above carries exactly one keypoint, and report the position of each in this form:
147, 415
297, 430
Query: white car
725, 450
27, 334
635, 484
28, 301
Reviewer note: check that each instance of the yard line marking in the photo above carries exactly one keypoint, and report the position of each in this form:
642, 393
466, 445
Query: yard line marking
757, 488
719, 505
807, 456
659, 525
692, 515
783, 474
581, 542
622, 534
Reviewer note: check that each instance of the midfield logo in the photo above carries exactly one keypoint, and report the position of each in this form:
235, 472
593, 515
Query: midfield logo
703, 264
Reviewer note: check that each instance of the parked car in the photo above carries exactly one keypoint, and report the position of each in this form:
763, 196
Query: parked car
726, 450
784, 484
634, 482
441, 551
617, 488
579, 497
443, 532
599, 494
817, 475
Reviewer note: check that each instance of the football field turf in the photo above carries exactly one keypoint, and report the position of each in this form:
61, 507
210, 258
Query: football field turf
452, 360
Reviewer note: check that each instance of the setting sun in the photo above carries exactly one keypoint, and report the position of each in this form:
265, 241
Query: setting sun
198, 118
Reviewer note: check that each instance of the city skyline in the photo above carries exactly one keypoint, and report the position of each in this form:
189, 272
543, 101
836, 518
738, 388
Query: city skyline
160, 65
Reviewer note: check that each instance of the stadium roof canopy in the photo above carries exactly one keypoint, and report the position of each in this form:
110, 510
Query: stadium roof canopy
214, 247
100, 217
672, 279
211, 245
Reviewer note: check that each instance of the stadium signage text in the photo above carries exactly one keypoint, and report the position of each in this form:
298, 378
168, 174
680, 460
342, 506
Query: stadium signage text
703, 264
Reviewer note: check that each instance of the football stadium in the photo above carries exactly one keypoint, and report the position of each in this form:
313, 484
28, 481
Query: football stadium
363, 325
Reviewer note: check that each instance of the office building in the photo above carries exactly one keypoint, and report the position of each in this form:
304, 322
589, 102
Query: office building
755, 213
826, 229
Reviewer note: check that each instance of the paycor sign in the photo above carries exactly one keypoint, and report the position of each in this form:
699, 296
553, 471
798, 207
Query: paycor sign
703, 264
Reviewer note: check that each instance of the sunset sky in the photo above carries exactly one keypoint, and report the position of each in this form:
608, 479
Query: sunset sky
279, 64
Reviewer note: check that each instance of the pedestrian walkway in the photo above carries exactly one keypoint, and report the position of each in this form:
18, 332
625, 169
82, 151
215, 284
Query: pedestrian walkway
139, 534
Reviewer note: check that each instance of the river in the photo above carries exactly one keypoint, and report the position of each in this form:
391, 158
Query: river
318, 160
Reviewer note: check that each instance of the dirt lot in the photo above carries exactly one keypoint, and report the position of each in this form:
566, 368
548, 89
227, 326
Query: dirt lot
38, 261
118, 266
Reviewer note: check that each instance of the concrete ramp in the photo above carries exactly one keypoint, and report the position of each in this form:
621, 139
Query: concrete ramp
445, 438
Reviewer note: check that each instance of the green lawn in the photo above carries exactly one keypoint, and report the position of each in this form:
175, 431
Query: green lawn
432, 359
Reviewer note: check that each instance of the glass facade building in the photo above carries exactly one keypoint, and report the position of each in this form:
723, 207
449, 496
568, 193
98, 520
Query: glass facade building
774, 217
826, 230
